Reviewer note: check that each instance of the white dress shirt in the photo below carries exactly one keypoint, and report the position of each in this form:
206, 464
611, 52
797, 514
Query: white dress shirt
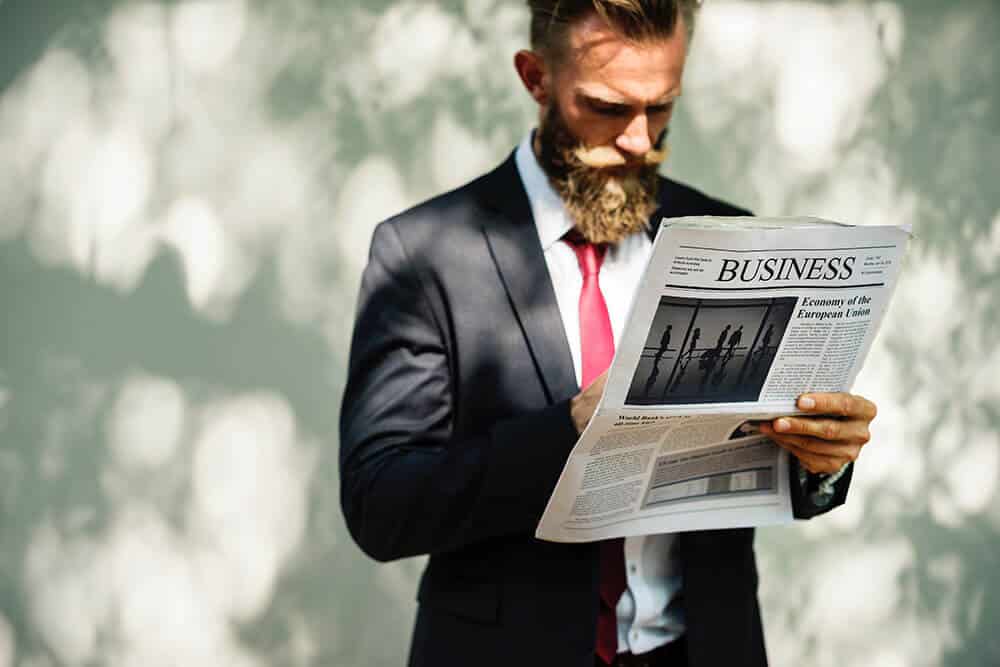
649, 611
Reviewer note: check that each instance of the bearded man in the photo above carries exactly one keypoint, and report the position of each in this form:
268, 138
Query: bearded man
486, 319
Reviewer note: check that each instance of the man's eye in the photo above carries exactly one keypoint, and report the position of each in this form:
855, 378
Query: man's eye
659, 108
615, 110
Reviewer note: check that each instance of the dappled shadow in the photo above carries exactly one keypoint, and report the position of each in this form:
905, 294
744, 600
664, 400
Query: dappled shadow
189, 194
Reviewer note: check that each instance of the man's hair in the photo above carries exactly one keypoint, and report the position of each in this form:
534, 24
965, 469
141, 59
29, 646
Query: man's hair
639, 20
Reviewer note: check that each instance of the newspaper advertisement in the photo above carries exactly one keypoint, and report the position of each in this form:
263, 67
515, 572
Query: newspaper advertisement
733, 320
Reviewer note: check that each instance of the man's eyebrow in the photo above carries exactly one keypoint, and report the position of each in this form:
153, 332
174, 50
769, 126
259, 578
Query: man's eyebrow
609, 98
617, 100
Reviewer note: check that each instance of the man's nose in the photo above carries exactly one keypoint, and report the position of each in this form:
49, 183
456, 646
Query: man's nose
635, 139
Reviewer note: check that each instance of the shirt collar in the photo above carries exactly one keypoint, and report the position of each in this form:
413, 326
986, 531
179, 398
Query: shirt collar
547, 208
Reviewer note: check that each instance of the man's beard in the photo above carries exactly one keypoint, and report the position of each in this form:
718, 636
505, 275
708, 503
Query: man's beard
606, 198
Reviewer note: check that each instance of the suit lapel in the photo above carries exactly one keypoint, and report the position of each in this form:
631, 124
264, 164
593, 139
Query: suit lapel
513, 242
514, 246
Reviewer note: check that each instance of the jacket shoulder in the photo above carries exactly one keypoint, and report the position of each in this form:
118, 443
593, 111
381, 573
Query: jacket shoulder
435, 230
442, 213
680, 200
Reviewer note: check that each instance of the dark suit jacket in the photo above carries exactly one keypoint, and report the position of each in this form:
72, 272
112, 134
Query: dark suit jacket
455, 426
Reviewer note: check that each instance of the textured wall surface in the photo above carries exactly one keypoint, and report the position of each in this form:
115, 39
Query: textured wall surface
187, 190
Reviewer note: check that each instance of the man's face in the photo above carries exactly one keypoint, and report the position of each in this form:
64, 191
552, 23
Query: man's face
616, 96
606, 105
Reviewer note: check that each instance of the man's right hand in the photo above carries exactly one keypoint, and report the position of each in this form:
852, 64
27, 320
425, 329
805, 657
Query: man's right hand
583, 405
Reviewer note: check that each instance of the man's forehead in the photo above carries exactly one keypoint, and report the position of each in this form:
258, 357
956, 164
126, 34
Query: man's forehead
602, 64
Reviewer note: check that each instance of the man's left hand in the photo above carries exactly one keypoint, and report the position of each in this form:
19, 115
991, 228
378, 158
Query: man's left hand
831, 436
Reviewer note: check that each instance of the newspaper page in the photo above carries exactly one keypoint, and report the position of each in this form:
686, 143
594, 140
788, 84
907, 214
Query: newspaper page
733, 320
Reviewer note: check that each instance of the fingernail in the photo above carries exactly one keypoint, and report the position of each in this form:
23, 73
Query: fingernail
782, 425
807, 403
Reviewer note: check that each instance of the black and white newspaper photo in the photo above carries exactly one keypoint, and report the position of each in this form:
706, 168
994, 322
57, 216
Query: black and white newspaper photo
721, 351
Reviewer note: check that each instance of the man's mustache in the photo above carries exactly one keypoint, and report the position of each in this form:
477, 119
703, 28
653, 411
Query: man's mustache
603, 157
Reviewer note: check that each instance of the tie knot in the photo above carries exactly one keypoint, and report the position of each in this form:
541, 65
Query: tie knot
590, 256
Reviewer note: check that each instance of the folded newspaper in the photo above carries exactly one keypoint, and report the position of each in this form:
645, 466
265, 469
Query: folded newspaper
734, 318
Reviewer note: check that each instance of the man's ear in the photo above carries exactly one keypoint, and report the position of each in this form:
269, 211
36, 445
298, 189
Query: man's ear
532, 70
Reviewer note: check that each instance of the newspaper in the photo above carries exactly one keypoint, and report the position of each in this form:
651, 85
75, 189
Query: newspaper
733, 320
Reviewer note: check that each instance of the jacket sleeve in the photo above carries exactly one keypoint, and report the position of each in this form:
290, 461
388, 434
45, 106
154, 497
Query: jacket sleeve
408, 486
810, 496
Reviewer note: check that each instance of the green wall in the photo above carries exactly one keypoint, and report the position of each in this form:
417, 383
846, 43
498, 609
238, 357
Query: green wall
187, 194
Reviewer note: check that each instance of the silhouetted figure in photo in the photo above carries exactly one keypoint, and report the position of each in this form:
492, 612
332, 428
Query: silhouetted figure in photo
709, 358
655, 372
695, 335
722, 339
734, 340
664, 343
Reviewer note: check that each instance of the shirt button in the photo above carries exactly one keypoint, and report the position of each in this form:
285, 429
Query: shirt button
632, 568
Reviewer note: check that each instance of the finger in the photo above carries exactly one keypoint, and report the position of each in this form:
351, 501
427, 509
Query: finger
839, 403
814, 463
815, 447
852, 431
809, 461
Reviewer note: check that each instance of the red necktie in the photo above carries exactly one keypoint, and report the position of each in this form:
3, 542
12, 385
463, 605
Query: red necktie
597, 348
